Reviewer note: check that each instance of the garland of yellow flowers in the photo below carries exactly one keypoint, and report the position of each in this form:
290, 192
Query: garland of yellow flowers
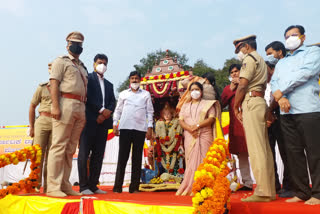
211, 188
29, 184
156, 89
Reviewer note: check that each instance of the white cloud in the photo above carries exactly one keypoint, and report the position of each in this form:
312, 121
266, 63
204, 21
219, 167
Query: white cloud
15, 7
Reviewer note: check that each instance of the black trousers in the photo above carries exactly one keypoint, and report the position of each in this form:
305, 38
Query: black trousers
275, 136
93, 139
301, 134
128, 137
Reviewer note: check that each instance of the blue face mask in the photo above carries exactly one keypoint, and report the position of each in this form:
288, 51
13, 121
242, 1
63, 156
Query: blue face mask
272, 59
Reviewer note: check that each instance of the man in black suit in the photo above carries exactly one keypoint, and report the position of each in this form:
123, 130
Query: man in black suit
100, 104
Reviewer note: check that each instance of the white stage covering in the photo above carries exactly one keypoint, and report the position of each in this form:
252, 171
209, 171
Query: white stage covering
14, 173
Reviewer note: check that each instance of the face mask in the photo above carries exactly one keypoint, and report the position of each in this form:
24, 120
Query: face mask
195, 94
272, 59
135, 85
101, 68
293, 43
241, 55
230, 78
75, 48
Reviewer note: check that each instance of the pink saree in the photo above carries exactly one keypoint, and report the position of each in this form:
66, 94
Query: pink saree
197, 148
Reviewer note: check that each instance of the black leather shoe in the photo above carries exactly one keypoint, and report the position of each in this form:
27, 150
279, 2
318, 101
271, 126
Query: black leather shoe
280, 191
245, 188
117, 190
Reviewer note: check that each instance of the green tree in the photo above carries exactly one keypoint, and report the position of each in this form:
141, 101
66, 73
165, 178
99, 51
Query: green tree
200, 68
149, 61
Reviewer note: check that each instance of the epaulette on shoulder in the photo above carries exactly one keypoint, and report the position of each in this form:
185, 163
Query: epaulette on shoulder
63, 56
85, 69
252, 57
44, 83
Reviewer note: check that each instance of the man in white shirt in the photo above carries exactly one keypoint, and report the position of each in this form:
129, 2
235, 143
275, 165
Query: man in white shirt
135, 112
99, 106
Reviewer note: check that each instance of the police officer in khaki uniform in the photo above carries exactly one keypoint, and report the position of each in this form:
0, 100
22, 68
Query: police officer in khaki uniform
68, 84
250, 108
41, 129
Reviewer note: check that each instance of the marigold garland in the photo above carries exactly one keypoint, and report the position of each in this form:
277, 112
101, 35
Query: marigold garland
29, 184
165, 76
211, 188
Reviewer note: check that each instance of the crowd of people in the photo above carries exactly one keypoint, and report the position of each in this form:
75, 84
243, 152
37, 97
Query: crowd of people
271, 101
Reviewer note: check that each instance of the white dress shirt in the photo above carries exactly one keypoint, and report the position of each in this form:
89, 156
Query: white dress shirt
101, 81
134, 110
268, 94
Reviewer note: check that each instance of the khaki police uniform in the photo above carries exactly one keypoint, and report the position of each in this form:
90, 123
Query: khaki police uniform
66, 131
43, 127
254, 107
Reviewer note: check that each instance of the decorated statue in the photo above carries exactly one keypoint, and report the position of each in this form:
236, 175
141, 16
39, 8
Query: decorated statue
169, 153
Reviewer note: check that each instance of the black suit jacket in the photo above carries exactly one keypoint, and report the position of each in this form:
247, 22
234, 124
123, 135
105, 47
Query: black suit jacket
94, 99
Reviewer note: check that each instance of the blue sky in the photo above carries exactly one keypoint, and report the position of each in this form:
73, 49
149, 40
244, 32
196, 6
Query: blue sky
33, 33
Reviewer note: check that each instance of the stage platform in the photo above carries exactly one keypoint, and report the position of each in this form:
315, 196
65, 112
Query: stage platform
142, 202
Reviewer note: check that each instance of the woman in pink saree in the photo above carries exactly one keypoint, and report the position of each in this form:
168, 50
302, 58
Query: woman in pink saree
197, 118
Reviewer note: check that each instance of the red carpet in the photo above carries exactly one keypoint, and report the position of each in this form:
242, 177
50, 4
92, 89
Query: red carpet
169, 198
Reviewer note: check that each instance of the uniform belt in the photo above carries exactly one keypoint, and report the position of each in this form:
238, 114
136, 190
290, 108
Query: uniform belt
73, 96
46, 114
256, 94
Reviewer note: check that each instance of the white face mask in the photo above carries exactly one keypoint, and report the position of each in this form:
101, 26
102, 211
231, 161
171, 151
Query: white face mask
101, 68
135, 85
241, 55
195, 94
230, 78
272, 59
293, 43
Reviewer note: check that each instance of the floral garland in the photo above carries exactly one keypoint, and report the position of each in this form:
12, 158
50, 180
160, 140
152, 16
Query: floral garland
168, 142
164, 89
29, 184
211, 188
165, 76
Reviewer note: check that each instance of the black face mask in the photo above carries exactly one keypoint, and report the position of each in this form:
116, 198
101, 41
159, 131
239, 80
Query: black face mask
75, 48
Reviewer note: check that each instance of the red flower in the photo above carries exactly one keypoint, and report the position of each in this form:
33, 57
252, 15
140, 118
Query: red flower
186, 73
141, 78
147, 78
178, 74
167, 138
177, 146
171, 75
163, 77
155, 77
171, 171
162, 141
181, 170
